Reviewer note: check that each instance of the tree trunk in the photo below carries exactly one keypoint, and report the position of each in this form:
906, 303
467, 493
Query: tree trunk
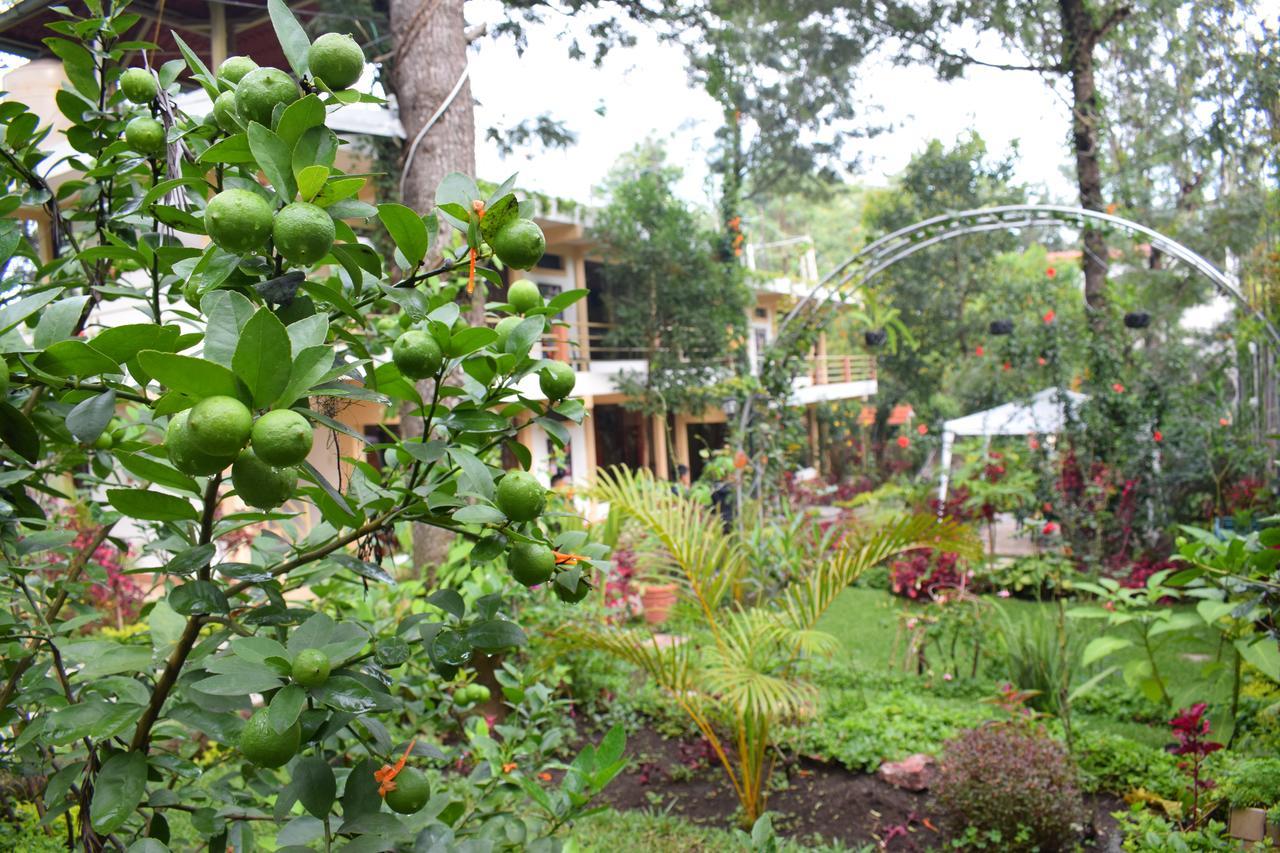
430, 56
1080, 35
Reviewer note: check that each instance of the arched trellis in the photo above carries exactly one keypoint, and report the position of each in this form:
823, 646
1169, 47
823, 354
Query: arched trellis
888, 250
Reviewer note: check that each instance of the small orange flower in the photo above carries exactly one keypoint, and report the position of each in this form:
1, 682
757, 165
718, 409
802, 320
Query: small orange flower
1050, 316
1042, 361
1050, 272
509, 766
922, 429
1224, 422
544, 776
1117, 387
739, 460
386, 777
567, 559
903, 441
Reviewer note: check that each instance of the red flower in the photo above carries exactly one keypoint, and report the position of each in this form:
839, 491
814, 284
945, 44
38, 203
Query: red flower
1033, 443
1224, 422
1118, 388
1049, 528
903, 441
1049, 316
1042, 361
1050, 272
1048, 507
979, 351
1158, 435
922, 429
1006, 366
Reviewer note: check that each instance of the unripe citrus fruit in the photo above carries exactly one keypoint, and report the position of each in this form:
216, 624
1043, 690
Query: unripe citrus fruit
556, 380
266, 747
411, 791
233, 68
303, 233
282, 437
579, 592
520, 496
184, 453
482, 693
224, 113
259, 91
220, 425
524, 296
261, 485
146, 136
463, 695
336, 60
531, 563
104, 441
311, 668
191, 292
417, 354
519, 244
504, 329
404, 320
238, 220
138, 85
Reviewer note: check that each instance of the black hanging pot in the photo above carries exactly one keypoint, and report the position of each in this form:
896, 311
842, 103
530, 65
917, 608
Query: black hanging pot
1001, 327
1137, 320
876, 337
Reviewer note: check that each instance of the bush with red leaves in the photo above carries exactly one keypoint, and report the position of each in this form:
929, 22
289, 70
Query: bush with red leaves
1011, 778
923, 573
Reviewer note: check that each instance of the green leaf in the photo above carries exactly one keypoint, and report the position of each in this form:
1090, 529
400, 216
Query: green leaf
317, 146
1212, 611
75, 358
479, 514
299, 117
153, 471
191, 560
457, 188
523, 336
17, 431
498, 214
311, 365
360, 794
15, 312
494, 635
469, 340
407, 230
315, 785
119, 788
78, 64
1100, 647
94, 718
232, 150
311, 180
227, 311
237, 684
275, 160
476, 478
285, 707
198, 597
449, 601
194, 377
1263, 654
121, 343
88, 418
293, 39
199, 70
151, 506
263, 356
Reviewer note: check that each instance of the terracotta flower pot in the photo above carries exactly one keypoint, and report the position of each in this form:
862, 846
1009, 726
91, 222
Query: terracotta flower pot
1248, 824
657, 601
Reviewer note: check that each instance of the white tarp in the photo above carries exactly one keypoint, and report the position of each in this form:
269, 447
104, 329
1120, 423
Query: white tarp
1045, 413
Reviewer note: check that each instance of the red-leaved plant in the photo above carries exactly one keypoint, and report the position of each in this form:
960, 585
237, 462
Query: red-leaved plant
1191, 730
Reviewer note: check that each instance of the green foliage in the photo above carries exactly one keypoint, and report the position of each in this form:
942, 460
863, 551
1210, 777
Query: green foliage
137, 730
1118, 765
1252, 783
1147, 832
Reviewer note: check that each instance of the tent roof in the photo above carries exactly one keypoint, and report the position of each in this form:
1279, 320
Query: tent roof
1043, 413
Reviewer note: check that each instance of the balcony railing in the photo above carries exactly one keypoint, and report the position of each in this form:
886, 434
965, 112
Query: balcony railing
831, 369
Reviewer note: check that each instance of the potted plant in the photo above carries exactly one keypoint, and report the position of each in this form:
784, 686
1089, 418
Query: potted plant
1137, 320
657, 599
1001, 327
1252, 788
886, 326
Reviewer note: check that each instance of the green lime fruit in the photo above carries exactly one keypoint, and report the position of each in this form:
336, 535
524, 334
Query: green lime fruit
556, 380
184, 452
300, 307
504, 329
519, 244
265, 746
224, 113
524, 296
233, 68
572, 597
336, 60
260, 91
411, 791
282, 437
520, 496
531, 563
104, 441
261, 485
417, 354
311, 668
139, 85
146, 136
238, 220
220, 425
482, 693
303, 233
463, 695
404, 320
191, 293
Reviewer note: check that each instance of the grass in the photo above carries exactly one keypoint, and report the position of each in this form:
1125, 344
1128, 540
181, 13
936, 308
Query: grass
651, 832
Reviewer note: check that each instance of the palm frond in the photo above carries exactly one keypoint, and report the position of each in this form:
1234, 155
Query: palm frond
671, 665
693, 544
805, 601
745, 671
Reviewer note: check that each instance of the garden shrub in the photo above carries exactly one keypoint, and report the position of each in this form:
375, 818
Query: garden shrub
1013, 780
1252, 783
1117, 765
1147, 832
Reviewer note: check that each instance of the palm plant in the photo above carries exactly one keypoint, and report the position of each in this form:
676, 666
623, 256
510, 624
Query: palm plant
740, 673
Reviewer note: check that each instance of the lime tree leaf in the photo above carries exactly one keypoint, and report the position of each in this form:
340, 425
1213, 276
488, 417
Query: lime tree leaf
311, 365
17, 431
318, 146
311, 180
299, 117
119, 788
293, 39
234, 149
95, 718
498, 214
227, 311
198, 596
88, 418
315, 785
194, 377
238, 683
476, 479
263, 356
285, 707
275, 160
407, 230
457, 188
479, 514
1100, 647
154, 471
14, 313
360, 793
494, 635
151, 506
198, 69
75, 358
121, 343
449, 601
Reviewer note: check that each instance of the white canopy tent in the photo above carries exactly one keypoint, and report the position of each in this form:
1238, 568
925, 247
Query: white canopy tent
1044, 413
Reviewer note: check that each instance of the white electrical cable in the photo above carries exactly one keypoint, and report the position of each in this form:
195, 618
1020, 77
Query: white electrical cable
417, 140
